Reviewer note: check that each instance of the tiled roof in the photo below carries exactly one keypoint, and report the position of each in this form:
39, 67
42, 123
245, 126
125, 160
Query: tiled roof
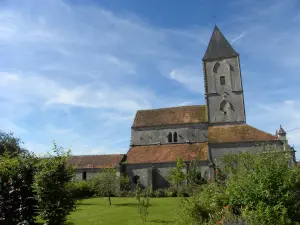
237, 133
167, 153
96, 161
169, 116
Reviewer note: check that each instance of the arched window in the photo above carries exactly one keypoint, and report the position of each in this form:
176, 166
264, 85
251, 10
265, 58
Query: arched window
222, 80
84, 175
175, 138
170, 137
216, 67
225, 106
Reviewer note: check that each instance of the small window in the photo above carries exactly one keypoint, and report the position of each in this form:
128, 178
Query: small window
175, 137
84, 175
222, 80
170, 137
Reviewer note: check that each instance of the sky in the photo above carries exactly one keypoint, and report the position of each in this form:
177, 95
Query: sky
76, 71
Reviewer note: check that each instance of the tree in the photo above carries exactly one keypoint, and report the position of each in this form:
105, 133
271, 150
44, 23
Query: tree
143, 203
177, 175
264, 187
17, 198
52, 186
10, 144
105, 184
261, 188
194, 176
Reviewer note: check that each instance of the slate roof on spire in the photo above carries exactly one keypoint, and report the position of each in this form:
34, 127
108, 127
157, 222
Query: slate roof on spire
281, 131
219, 47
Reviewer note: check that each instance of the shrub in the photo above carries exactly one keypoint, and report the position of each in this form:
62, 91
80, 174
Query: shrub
194, 178
17, 198
162, 192
81, 189
105, 184
177, 175
264, 184
52, 184
205, 206
259, 189
172, 192
143, 200
125, 183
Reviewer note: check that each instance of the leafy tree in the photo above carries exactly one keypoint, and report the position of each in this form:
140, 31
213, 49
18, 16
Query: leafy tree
125, 183
194, 177
177, 175
143, 201
10, 144
105, 184
52, 184
17, 197
264, 186
261, 188
9, 199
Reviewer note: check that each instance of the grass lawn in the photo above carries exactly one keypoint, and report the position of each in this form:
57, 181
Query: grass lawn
96, 211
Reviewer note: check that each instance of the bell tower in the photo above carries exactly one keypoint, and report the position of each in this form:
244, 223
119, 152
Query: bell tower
223, 82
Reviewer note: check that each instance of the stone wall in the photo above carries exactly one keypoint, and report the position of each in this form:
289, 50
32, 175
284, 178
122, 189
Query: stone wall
217, 151
217, 94
89, 173
186, 132
156, 174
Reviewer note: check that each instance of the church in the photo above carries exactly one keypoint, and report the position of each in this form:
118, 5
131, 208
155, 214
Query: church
197, 132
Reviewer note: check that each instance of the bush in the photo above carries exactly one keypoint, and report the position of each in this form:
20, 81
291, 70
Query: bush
194, 178
125, 183
81, 189
162, 192
172, 192
52, 184
178, 191
17, 198
264, 184
105, 184
259, 189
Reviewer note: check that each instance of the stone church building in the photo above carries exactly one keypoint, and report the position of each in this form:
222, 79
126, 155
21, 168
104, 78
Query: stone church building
202, 132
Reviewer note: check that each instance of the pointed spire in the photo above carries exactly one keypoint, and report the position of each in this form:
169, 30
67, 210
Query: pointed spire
218, 47
281, 131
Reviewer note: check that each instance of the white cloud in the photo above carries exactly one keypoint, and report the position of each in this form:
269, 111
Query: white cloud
96, 68
238, 37
190, 77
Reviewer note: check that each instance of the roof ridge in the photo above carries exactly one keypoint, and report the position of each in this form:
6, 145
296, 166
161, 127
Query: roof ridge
249, 126
261, 130
171, 107
97, 155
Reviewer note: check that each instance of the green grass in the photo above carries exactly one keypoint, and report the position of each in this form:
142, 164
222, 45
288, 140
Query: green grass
96, 211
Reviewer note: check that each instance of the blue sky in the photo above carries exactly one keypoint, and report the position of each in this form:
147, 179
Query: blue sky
76, 71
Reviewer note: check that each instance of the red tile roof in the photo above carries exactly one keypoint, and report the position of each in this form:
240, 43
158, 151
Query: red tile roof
167, 153
96, 161
237, 133
169, 116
